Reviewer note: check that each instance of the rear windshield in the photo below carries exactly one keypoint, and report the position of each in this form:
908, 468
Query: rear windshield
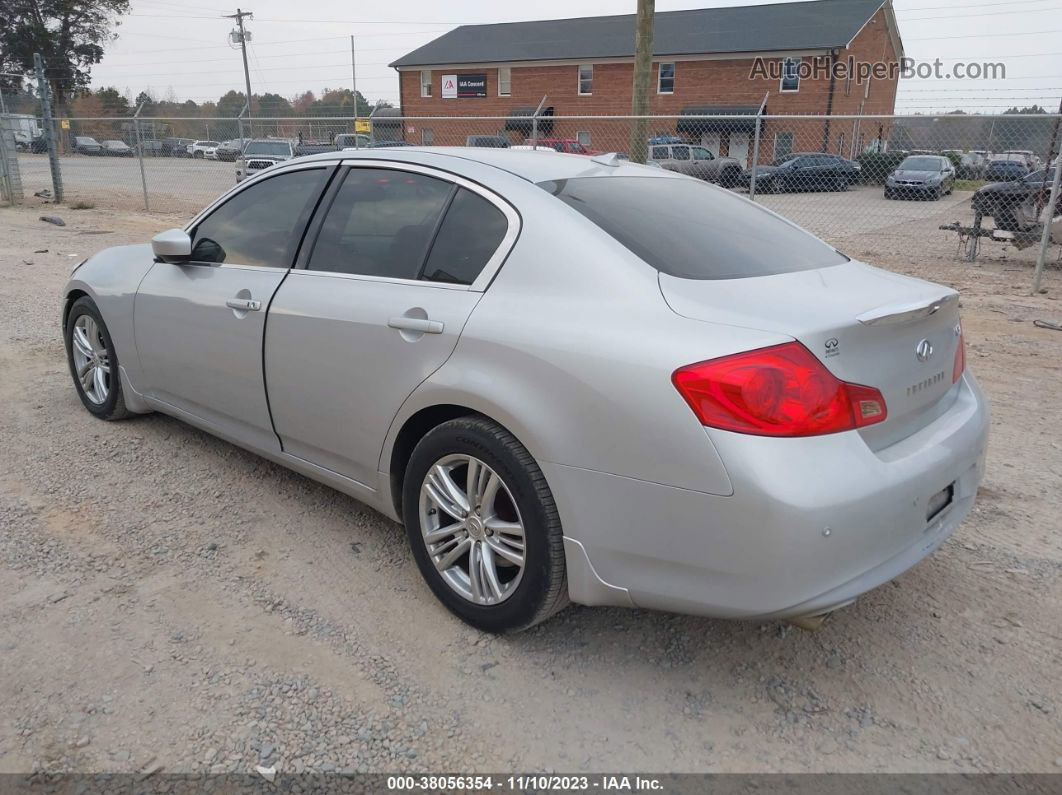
688, 229
275, 148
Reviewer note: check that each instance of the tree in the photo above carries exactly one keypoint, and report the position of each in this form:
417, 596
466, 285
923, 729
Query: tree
231, 104
272, 105
112, 103
69, 35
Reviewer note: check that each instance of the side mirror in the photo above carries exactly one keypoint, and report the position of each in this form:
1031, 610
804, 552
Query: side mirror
173, 245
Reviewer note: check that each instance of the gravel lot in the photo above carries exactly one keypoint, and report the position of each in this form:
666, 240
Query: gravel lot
168, 599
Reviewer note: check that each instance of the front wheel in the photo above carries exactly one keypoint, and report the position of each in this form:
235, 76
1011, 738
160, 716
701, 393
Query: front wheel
483, 526
93, 362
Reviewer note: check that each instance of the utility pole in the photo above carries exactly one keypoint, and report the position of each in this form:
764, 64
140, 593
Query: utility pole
354, 88
242, 37
44, 92
643, 66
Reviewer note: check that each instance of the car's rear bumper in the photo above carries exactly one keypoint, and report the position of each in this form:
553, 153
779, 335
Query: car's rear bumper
812, 524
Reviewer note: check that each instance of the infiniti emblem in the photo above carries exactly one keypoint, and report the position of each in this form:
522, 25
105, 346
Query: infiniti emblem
924, 351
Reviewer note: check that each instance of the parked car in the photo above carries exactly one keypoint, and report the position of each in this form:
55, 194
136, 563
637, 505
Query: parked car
150, 147
635, 389
972, 164
352, 141
203, 149
26, 141
388, 144
805, 171
313, 148
569, 145
696, 161
1016, 205
488, 141
1002, 168
84, 145
529, 148
176, 147
1031, 160
116, 148
262, 153
230, 150
921, 177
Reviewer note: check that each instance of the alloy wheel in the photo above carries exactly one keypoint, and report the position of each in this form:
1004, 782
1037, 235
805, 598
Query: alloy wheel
472, 529
92, 361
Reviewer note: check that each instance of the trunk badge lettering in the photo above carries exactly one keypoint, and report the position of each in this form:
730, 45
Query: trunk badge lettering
833, 347
924, 351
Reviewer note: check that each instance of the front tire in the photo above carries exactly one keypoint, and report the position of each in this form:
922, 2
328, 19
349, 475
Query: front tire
93, 362
483, 526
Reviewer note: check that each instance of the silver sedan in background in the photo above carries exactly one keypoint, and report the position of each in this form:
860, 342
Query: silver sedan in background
571, 378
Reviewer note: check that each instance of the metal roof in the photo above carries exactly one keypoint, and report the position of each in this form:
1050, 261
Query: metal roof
815, 25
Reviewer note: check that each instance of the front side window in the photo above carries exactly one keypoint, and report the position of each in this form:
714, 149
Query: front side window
505, 81
425, 82
666, 79
261, 224
586, 79
700, 153
380, 223
790, 74
684, 228
583, 137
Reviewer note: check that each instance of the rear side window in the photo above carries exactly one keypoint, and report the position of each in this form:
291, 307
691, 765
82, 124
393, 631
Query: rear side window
380, 223
470, 234
685, 228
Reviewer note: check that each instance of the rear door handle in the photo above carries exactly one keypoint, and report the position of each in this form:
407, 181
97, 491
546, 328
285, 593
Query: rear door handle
423, 325
243, 304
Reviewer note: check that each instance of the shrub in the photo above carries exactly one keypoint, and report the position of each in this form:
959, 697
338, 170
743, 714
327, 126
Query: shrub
878, 165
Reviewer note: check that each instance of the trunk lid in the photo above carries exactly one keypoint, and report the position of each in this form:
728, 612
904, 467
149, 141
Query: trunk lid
866, 325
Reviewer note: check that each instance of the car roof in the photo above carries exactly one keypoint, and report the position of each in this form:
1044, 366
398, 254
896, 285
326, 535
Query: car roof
526, 164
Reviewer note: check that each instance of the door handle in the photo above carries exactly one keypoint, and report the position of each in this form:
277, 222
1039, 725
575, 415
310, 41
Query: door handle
243, 304
420, 324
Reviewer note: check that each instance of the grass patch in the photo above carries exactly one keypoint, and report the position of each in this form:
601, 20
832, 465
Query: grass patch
969, 184
82, 206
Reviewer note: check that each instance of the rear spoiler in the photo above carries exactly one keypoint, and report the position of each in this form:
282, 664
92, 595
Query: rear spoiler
895, 314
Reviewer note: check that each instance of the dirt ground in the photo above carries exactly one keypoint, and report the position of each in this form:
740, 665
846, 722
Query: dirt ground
168, 599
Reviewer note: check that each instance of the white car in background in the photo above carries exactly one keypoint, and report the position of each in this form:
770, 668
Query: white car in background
204, 149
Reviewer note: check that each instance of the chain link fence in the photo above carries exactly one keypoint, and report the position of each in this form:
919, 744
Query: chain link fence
867, 184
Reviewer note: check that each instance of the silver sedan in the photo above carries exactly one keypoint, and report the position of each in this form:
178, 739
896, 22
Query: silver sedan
571, 378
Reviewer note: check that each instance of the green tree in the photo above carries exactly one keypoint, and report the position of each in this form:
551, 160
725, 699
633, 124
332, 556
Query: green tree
230, 104
114, 104
69, 35
272, 105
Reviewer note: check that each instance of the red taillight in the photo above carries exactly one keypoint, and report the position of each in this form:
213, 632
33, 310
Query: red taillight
960, 358
778, 391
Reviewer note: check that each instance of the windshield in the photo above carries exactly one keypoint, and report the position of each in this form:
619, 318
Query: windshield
921, 164
688, 229
275, 148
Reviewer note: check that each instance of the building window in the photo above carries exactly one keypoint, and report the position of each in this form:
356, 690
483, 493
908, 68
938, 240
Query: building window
586, 79
505, 81
665, 83
783, 145
583, 137
427, 136
425, 82
790, 74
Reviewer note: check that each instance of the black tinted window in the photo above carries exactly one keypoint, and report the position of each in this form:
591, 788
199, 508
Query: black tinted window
380, 223
685, 228
470, 233
260, 225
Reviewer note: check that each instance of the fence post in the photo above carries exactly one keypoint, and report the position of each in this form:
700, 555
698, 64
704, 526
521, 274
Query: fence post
756, 150
45, 93
11, 187
140, 155
1045, 238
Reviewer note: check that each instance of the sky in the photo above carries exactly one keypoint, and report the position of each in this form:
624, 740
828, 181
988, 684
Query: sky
181, 47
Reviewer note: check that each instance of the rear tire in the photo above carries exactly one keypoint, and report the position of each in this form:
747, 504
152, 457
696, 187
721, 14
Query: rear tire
514, 596
93, 362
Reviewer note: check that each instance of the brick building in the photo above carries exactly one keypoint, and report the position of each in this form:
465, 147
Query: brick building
703, 63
